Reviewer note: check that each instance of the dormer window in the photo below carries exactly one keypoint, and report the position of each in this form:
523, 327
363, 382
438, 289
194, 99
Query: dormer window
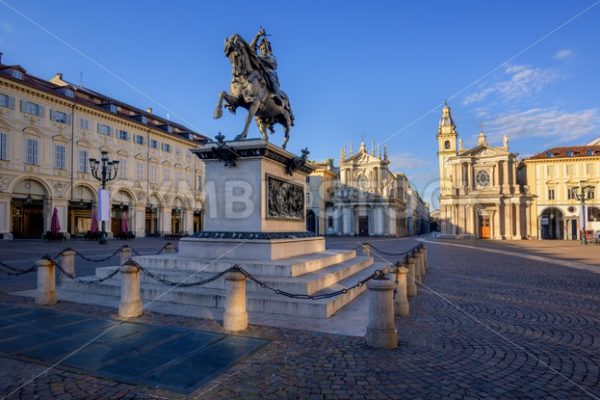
570, 153
67, 92
16, 73
549, 154
110, 107
590, 152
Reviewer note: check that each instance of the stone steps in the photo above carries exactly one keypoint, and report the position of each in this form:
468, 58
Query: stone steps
308, 283
215, 298
289, 267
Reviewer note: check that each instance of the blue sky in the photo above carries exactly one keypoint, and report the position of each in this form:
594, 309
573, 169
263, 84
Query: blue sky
351, 68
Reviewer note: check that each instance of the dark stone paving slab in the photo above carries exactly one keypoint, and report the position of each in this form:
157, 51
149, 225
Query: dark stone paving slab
176, 359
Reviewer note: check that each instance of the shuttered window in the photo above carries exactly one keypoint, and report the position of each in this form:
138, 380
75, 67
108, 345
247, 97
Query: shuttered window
83, 161
60, 117
32, 108
31, 151
3, 146
59, 156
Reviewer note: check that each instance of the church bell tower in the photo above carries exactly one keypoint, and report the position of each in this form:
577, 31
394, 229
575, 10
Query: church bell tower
447, 138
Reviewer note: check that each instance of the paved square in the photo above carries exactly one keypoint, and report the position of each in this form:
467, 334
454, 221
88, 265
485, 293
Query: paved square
170, 358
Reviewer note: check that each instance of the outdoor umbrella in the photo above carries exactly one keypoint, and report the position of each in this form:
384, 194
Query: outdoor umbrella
94, 227
55, 224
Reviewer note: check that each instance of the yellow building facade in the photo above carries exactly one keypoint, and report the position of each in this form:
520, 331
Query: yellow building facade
555, 177
48, 131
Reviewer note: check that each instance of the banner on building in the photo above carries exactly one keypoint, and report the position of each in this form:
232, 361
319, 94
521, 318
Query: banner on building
104, 205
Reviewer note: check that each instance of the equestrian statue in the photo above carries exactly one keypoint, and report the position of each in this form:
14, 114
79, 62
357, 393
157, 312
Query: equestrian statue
255, 86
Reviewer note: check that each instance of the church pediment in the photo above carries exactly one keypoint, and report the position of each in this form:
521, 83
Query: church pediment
484, 150
362, 158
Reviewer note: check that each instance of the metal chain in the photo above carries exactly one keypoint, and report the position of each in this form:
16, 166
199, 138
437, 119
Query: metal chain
96, 259
404, 253
71, 276
181, 284
9, 270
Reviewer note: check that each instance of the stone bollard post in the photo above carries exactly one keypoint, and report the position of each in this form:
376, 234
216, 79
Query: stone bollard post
417, 256
401, 306
381, 331
46, 282
67, 259
125, 254
426, 253
130, 305
235, 317
170, 248
366, 249
411, 283
421, 263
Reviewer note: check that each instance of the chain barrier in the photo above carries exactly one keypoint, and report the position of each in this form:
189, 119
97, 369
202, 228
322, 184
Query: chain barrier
10, 270
78, 253
401, 254
181, 284
69, 275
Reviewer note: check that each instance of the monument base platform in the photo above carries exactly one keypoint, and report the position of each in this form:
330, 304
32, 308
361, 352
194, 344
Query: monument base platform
250, 249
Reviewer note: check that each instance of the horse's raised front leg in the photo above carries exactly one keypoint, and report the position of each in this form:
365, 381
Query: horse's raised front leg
286, 136
219, 110
251, 113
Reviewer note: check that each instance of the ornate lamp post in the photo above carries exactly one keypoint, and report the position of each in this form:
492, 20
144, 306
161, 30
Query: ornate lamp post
581, 193
104, 171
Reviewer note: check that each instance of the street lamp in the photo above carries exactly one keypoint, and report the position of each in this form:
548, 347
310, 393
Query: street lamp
104, 171
581, 194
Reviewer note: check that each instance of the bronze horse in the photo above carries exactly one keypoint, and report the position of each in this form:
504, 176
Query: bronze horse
250, 89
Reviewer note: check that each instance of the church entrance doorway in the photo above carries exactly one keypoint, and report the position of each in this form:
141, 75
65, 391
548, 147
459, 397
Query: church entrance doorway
484, 227
363, 225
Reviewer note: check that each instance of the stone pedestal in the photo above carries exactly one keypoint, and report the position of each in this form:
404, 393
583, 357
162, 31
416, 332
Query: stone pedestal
235, 317
46, 282
381, 331
125, 254
67, 260
401, 305
255, 204
130, 305
411, 283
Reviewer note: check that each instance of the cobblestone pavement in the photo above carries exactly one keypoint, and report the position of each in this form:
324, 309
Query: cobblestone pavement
483, 326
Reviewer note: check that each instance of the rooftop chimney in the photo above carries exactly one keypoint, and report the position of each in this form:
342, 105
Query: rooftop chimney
149, 110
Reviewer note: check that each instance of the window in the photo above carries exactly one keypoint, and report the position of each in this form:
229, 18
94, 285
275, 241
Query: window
570, 170
308, 179
166, 147
17, 74
551, 194
447, 144
590, 152
178, 152
330, 222
7, 101
31, 147
177, 177
104, 129
83, 161
123, 169
154, 143
139, 139
32, 108
60, 117
571, 193
139, 171
550, 170
59, 156
482, 178
570, 153
153, 173
308, 198
166, 174
591, 193
589, 169
123, 135
199, 188
549, 154
3, 146
84, 124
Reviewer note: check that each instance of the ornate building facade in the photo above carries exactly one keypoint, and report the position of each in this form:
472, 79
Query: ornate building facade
555, 177
482, 189
48, 132
368, 199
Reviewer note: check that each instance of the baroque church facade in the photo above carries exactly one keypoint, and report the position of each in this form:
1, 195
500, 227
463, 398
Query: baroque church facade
482, 189
368, 199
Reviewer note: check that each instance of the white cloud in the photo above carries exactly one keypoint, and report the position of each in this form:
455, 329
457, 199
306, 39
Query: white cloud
523, 81
402, 161
564, 54
550, 123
